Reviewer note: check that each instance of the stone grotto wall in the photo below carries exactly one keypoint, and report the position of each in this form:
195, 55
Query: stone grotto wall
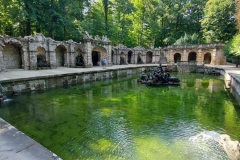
18, 52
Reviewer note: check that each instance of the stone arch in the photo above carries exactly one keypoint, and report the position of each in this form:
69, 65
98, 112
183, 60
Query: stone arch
149, 57
13, 55
139, 59
122, 58
192, 56
80, 58
41, 50
130, 54
207, 58
61, 54
98, 53
177, 57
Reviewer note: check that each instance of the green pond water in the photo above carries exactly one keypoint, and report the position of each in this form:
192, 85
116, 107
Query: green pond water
123, 119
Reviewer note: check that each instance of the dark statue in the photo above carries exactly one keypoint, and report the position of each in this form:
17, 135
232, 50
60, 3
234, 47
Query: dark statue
79, 60
122, 61
41, 61
158, 77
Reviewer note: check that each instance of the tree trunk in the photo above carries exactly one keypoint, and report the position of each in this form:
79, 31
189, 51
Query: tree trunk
105, 4
38, 29
28, 20
52, 18
237, 62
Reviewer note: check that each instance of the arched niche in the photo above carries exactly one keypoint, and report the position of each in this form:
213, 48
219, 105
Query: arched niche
80, 59
149, 57
41, 58
177, 57
192, 56
61, 52
12, 56
130, 54
122, 58
98, 53
207, 58
139, 59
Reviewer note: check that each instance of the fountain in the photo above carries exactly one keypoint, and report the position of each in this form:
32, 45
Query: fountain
206, 136
159, 77
232, 148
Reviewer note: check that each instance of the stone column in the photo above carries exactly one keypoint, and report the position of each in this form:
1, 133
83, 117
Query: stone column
52, 59
154, 58
126, 57
144, 57
33, 60
200, 57
2, 67
109, 55
132, 57
118, 57
52, 54
171, 57
67, 59
214, 54
115, 57
25, 59
71, 54
72, 59
184, 55
88, 50
136, 56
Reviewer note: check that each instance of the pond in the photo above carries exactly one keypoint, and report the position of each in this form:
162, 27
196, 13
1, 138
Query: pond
123, 119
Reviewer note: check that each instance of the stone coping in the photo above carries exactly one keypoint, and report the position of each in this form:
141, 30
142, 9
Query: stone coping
20, 74
15, 145
229, 69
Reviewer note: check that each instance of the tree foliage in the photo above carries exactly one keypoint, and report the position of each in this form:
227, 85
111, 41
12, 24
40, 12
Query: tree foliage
232, 49
219, 23
237, 14
187, 39
147, 23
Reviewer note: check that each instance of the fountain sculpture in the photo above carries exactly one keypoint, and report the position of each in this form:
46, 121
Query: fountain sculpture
158, 77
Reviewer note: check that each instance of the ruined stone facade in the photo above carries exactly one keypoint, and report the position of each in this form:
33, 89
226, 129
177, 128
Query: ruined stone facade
202, 54
23, 53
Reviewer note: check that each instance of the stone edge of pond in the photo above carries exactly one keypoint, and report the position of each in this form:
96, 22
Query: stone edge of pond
231, 78
17, 82
15, 145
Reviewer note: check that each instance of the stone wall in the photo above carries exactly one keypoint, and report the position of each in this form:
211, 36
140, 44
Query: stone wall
214, 50
41, 83
231, 80
23, 52
235, 87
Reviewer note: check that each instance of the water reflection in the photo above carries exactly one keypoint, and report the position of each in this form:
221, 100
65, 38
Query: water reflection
122, 119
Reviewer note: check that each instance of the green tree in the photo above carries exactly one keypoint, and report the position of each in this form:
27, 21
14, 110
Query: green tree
237, 14
187, 39
232, 49
219, 23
